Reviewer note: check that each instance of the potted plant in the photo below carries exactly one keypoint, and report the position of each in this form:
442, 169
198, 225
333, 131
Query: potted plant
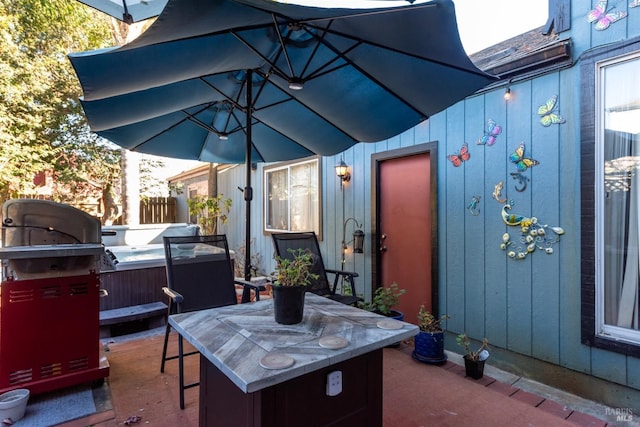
474, 359
290, 284
384, 299
429, 343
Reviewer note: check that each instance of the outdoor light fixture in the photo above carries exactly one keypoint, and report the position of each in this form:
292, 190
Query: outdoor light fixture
223, 136
342, 170
296, 83
358, 238
507, 94
358, 241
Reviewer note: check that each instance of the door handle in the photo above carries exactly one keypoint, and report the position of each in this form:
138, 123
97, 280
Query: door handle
383, 248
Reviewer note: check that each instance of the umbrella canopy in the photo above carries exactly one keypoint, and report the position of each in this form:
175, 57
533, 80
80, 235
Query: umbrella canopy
367, 75
129, 11
234, 81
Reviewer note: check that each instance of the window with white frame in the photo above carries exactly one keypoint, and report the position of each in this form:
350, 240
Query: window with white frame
617, 198
292, 196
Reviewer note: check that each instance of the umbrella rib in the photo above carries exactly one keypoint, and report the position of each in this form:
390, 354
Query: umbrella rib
380, 46
343, 56
200, 123
189, 116
282, 45
241, 108
264, 58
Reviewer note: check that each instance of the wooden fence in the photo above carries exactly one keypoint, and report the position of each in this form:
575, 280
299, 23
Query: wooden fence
153, 210
157, 210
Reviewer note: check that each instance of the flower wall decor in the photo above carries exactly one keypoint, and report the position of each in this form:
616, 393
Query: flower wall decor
533, 235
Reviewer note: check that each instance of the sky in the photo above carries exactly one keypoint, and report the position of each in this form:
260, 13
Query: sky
483, 23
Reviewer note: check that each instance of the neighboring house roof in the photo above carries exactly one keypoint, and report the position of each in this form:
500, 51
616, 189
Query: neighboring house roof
199, 171
529, 53
191, 173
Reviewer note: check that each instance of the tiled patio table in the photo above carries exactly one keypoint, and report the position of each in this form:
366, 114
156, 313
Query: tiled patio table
256, 372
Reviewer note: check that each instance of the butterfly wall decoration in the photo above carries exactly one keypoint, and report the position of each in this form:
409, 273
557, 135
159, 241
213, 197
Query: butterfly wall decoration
493, 130
522, 162
603, 17
462, 156
547, 114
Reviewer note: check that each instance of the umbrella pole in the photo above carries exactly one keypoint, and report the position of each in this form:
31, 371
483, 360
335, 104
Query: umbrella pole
248, 191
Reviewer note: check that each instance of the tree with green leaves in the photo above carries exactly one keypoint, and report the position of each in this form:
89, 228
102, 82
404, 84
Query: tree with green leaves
42, 127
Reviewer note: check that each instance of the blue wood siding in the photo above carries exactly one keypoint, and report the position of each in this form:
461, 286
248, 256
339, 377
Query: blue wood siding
532, 306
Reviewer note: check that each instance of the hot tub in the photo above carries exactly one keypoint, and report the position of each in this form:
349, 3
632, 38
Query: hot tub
137, 272
136, 257
136, 276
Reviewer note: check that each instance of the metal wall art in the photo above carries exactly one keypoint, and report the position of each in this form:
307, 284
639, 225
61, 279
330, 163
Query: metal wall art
462, 156
533, 235
547, 114
473, 206
497, 193
522, 162
522, 181
489, 137
604, 17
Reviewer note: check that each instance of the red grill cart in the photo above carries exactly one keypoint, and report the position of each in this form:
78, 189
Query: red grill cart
49, 297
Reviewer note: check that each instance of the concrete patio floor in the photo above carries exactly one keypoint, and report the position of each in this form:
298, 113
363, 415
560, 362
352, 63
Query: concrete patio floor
415, 394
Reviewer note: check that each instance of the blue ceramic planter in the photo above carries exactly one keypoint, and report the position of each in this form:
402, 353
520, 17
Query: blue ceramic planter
429, 347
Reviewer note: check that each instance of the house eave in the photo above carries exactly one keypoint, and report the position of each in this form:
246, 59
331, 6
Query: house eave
557, 55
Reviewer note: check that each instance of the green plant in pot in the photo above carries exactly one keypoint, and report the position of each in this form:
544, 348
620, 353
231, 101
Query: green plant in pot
293, 274
384, 299
429, 343
474, 359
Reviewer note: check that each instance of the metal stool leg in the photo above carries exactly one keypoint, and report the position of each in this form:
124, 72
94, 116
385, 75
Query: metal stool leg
181, 370
166, 339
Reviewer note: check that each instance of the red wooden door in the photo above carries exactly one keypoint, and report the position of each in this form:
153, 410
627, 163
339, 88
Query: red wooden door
405, 230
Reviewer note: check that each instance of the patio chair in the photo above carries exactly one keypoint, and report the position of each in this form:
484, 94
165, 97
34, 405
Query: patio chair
308, 241
199, 276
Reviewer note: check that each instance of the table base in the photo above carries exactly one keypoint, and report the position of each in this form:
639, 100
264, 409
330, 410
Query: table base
299, 401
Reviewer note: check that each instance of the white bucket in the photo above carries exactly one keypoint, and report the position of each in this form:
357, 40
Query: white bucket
13, 404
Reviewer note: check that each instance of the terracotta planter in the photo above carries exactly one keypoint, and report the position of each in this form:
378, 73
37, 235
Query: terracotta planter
474, 368
288, 304
429, 348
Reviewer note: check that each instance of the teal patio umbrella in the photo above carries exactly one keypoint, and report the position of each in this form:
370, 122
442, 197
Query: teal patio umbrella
233, 81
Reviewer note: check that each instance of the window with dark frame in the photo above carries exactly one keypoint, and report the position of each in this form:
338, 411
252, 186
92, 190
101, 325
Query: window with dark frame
610, 200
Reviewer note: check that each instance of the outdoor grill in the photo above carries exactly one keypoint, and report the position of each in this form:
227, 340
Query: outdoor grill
49, 297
